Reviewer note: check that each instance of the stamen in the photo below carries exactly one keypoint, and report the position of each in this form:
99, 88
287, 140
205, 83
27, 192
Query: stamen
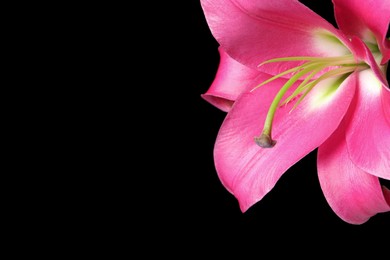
301, 86
311, 85
339, 59
313, 65
278, 76
322, 63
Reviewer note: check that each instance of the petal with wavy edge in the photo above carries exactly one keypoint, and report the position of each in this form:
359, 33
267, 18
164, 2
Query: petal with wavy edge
230, 80
249, 171
368, 131
353, 194
366, 19
255, 31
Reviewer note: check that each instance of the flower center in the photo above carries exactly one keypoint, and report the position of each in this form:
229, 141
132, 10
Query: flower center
340, 67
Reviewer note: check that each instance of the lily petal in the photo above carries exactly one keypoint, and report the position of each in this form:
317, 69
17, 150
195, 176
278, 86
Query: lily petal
368, 132
252, 32
249, 171
230, 80
353, 194
367, 19
362, 52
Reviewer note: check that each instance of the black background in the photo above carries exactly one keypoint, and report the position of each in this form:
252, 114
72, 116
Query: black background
188, 202
127, 163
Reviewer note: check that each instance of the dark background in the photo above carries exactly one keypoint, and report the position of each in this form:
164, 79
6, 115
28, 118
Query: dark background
191, 204
126, 162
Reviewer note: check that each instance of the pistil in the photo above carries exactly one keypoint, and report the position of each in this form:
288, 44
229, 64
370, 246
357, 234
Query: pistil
313, 66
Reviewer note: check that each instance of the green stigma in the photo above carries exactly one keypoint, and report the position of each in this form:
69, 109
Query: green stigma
332, 67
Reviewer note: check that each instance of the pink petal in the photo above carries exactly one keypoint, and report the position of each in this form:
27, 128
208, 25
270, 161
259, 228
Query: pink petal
368, 132
249, 171
362, 53
254, 31
364, 18
230, 80
353, 194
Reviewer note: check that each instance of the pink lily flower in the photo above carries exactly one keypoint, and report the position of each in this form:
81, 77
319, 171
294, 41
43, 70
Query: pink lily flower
290, 83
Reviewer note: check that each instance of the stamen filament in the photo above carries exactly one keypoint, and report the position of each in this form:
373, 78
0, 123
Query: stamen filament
278, 76
342, 59
301, 86
311, 85
346, 60
343, 65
